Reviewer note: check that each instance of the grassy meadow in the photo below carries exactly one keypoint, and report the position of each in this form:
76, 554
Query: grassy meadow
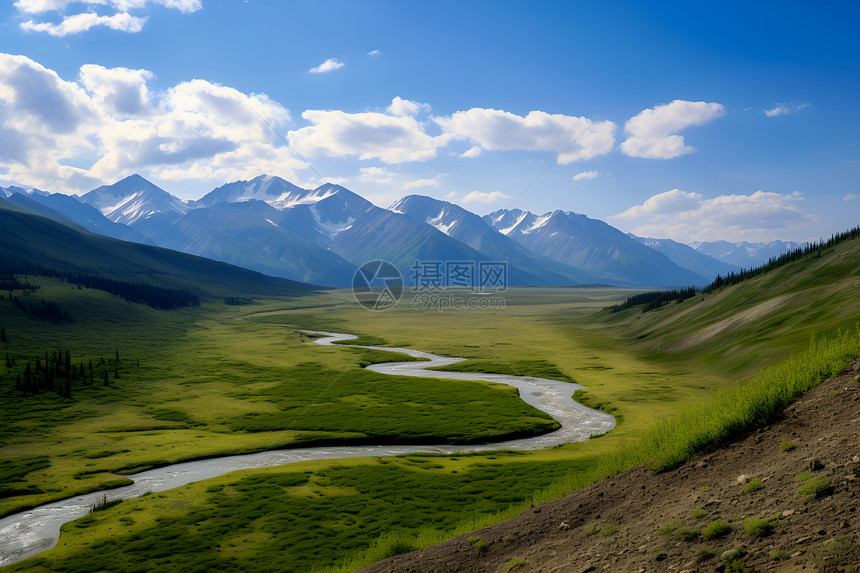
220, 379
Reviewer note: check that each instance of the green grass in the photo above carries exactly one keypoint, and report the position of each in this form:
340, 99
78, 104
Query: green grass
754, 484
761, 526
814, 487
716, 529
514, 564
204, 370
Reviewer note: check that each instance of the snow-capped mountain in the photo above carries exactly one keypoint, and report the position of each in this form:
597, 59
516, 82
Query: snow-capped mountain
592, 246
476, 232
132, 199
267, 188
689, 258
744, 254
7, 192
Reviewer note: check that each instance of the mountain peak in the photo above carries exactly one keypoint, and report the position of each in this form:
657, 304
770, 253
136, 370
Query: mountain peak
131, 199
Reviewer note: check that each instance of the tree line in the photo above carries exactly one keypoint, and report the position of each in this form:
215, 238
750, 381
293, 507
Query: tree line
155, 296
57, 372
655, 299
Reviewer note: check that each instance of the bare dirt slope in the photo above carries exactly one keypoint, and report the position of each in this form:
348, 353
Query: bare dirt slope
624, 523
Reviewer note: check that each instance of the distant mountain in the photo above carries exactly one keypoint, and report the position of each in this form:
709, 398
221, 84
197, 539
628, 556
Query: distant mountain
69, 210
267, 188
476, 232
592, 246
330, 219
29, 202
687, 257
29, 239
251, 234
744, 254
132, 199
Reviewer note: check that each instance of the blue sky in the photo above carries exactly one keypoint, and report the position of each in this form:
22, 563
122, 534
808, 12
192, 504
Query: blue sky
687, 120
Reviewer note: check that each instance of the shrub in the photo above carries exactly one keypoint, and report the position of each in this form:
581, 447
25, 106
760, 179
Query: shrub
716, 529
753, 485
669, 528
804, 476
608, 530
515, 563
761, 526
696, 513
815, 487
787, 446
687, 533
592, 529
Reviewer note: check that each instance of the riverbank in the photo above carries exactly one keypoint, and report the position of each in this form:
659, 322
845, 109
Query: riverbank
26, 534
784, 498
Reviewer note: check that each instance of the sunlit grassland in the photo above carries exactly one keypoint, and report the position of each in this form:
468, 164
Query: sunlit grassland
210, 383
332, 515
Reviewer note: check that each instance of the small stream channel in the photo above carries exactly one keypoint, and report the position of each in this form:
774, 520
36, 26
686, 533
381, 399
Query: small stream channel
30, 532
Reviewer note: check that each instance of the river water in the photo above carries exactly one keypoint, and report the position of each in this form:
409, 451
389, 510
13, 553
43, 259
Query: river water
30, 532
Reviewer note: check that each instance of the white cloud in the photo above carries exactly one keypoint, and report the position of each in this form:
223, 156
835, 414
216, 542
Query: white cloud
329, 65
121, 19
572, 138
850, 196
434, 182
375, 175
652, 132
405, 107
585, 175
108, 124
473, 151
369, 135
374, 53
485, 198
122, 91
785, 109
686, 217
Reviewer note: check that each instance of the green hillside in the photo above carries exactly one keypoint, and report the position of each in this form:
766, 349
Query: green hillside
739, 329
29, 242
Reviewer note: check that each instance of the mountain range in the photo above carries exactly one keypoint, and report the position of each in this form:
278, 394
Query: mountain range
322, 235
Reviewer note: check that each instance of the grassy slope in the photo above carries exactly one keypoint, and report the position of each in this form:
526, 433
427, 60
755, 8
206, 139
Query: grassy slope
647, 379
208, 384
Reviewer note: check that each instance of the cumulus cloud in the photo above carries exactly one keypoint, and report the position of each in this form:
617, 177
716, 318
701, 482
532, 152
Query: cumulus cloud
652, 132
375, 175
571, 138
122, 21
369, 135
482, 197
194, 130
784, 109
329, 65
850, 196
473, 151
121, 90
686, 216
119, 19
433, 182
403, 107
585, 175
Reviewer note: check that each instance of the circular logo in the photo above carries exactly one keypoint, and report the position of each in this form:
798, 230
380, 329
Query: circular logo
377, 285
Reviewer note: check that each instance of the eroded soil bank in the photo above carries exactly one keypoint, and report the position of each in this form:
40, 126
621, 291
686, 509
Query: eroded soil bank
641, 521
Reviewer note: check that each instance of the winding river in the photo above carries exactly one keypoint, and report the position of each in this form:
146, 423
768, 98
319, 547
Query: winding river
30, 532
